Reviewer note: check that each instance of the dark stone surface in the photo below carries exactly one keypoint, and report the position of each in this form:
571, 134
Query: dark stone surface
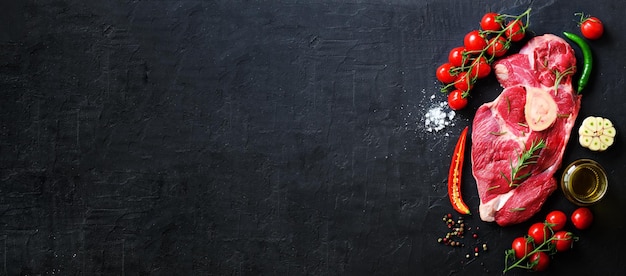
260, 138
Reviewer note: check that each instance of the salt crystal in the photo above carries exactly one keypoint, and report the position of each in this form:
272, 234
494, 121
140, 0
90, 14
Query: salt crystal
437, 118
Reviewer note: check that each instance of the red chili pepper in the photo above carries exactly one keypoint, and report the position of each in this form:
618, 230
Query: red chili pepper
454, 177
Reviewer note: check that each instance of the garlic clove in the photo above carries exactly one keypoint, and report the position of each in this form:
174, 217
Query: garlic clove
595, 144
584, 140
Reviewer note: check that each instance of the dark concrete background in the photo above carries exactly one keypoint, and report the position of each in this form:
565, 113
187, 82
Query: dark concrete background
261, 138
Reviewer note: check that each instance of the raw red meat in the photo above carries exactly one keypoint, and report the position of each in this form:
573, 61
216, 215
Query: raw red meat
500, 133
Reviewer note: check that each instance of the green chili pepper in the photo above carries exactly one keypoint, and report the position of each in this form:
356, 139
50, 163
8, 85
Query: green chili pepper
587, 59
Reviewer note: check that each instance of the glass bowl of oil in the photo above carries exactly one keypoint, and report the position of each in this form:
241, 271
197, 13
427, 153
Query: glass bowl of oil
584, 182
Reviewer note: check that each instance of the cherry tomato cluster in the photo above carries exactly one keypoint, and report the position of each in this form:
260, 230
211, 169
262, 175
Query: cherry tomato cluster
544, 239
472, 61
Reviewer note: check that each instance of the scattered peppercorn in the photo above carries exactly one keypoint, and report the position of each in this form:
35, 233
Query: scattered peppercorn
457, 230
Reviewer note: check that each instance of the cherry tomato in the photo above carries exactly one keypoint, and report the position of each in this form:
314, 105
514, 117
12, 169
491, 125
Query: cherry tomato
474, 41
539, 232
480, 68
456, 101
463, 82
444, 73
556, 220
582, 218
515, 30
563, 241
539, 261
491, 22
457, 56
522, 246
592, 28
497, 47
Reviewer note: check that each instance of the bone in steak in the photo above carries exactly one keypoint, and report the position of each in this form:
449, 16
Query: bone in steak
500, 133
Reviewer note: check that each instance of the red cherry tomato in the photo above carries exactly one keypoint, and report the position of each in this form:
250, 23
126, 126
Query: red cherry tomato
562, 241
458, 56
474, 41
515, 30
491, 22
497, 47
444, 73
539, 232
556, 220
539, 261
456, 101
582, 218
592, 28
463, 82
480, 68
522, 246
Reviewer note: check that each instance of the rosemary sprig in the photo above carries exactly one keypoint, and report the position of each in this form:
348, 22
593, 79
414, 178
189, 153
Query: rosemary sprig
493, 187
499, 133
508, 105
563, 115
560, 75
527, 158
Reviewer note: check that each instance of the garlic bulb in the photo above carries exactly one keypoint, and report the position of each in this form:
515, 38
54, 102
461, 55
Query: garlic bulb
596, 133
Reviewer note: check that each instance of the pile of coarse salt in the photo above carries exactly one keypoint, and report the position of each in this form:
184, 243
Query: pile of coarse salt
437, 117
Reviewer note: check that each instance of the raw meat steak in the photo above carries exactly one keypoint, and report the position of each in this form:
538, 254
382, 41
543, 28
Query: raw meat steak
501, 133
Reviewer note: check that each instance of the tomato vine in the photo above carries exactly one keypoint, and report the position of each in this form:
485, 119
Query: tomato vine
472, 61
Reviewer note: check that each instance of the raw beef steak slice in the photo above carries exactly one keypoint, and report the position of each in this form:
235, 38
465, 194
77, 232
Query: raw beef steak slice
501, 133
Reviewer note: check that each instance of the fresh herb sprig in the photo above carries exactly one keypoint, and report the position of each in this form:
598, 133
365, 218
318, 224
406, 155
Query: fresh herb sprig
560, 75
527, 158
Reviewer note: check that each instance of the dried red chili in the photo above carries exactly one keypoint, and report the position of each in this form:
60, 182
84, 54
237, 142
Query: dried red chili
454, 176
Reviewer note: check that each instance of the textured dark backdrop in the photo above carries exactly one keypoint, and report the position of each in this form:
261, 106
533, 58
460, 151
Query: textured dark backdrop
260, 137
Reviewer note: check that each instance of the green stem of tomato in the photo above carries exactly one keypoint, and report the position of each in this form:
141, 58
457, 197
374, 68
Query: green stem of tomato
538, 249
482, 52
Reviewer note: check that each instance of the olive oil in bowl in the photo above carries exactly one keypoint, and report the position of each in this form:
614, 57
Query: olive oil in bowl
584, 182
